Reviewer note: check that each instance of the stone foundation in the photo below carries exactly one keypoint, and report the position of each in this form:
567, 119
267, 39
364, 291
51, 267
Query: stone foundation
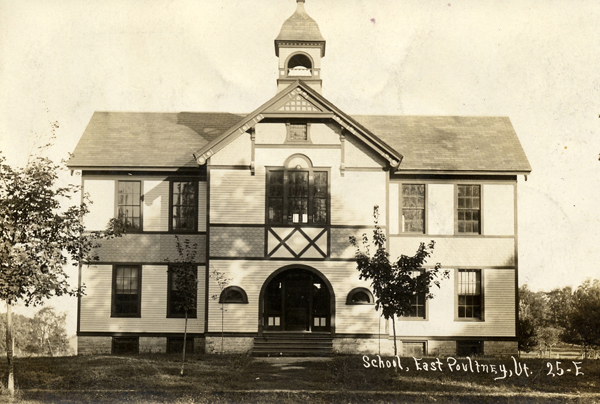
239, 345
441, 348
94, 345
355, 346
500, 348
153, 345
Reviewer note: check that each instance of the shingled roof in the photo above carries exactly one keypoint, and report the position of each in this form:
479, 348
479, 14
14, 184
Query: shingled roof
428, 143
147, 139
451, 143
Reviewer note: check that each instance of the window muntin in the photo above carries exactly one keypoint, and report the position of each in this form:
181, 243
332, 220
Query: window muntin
470, 303
360, 296
297, 197
297, 132
413, 208
417, 305
469, 209
174, 298
184, 206
129, 204
126, 291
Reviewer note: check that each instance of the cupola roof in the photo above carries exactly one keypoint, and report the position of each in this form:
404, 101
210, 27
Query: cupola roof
300, 27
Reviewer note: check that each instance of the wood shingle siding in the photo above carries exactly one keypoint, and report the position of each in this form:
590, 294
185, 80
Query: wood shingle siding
95, 313
148, 247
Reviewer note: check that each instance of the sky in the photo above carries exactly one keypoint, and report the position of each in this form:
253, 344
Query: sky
535, 61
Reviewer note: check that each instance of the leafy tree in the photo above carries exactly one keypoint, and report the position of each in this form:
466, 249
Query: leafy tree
532, 313
184, 273
559, 312
49, 332
38, 237
547, 338
395, 283
586, 313
222, 282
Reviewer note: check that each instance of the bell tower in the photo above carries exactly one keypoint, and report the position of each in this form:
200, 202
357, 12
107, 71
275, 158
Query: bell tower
300, 47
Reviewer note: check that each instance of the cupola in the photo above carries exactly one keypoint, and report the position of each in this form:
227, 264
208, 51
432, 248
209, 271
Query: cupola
300, 47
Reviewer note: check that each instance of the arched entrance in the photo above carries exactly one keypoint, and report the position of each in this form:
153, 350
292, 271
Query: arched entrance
297, 299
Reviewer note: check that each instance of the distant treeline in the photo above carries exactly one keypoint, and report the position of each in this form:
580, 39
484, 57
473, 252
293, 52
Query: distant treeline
561, 315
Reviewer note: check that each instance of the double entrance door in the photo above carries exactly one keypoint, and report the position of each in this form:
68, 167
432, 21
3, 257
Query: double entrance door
297, 300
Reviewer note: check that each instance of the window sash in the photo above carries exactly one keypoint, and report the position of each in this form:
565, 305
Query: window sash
184, 205
129, 204
297, 197
469, 209
413, 208
126, 291
469, 294
174, 297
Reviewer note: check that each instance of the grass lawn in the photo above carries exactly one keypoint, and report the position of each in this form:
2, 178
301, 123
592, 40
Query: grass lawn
224, 379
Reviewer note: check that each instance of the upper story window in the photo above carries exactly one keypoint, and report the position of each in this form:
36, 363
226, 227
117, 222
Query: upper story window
469, 209
129, 204
184, 206
297, 193
413, 208
126, 301
469, 293
298, 132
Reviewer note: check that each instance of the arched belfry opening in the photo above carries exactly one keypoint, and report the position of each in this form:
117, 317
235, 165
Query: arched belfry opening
297, 298
299, 65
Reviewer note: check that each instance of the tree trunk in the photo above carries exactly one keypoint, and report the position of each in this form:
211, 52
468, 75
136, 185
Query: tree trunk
184, 343
9, 351
394, 326
222, 326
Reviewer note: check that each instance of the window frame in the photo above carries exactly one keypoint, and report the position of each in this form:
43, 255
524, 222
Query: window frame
481, 317
113, 311
141, 206
457, 209
170, 306
401, 208
115, 339
172, 182
480, 344
285, 198
288, 129
234, 288
354, 291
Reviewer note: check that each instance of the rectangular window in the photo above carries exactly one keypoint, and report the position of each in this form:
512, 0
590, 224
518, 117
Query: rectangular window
126, 291
184, 206
413, 208
175, 345
129, 204
125, 345
298, 132
414, 348
174, 298
297, 197
469, 209
417, 304
470, 302
469, 348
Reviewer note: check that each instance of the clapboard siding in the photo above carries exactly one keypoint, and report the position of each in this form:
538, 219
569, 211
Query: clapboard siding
499, 310
460, 251
251, 275
394, 208
236, 153
95, 313
156, 206
236, 196
102, 208
202, 203
354, 195
498, 209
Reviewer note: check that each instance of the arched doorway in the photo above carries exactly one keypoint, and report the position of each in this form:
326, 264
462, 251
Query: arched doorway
297, 299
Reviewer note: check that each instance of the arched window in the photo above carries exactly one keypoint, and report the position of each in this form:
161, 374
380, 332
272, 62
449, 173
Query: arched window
360, 296
233, 294
297, 193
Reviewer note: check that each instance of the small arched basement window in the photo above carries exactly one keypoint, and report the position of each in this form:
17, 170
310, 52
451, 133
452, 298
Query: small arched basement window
233, 294
360, 296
